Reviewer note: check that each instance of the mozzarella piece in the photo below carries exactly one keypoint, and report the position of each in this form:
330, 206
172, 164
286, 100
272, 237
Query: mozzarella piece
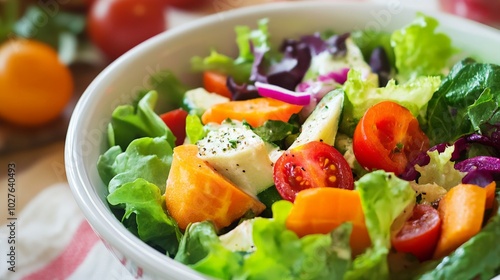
240, 155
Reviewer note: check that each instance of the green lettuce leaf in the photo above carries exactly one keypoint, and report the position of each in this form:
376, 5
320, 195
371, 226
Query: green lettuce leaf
147, 158
201, 249
362, 93
281, 254
105, 164
440, 170
484, 110
195, 130
467, 98
129, 122
420, 50
368, 40
240, 71
246, 38
144, 202
383, 198
240, 68
170, 90
277, 132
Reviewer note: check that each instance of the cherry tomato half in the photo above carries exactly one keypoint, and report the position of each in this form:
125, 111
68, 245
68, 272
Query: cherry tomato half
312, 165
176, 121
216, 83
387, 137
115, 26
420, 234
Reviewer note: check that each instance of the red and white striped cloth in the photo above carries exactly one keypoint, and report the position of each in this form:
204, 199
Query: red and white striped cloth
54, 241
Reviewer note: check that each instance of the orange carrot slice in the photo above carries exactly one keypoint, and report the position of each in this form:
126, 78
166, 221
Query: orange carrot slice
255, 111
461, 211
490, 194
216, 83
195, 192
320, 210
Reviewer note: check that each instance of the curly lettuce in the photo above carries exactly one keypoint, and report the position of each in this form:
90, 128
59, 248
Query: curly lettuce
440, 170
364, 92
420, 50
278, 254
129, 122
145, 215
383, 198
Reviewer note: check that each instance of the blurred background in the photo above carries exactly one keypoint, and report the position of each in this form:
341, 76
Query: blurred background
50, 51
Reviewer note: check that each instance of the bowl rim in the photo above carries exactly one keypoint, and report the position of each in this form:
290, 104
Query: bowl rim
104, 223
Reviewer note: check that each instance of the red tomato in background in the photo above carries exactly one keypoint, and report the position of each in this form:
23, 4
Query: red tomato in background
387, 137
176, 121
312, 165
89, 2
115, 26
485, 11
420, 234
186, 4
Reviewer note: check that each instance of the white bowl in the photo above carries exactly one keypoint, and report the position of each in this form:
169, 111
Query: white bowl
119, 82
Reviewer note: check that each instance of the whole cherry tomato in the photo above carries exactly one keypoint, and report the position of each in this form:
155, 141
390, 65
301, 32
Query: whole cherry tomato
35, 87
116, 26
312, 165
485, 11
387, 137
420, 234
88, 3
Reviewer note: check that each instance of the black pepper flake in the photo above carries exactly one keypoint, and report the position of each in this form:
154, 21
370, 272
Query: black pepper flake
419, 198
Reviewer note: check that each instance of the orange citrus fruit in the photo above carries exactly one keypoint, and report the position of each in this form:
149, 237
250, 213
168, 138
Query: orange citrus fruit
35, 87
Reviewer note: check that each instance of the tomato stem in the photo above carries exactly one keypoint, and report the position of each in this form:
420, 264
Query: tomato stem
399, 148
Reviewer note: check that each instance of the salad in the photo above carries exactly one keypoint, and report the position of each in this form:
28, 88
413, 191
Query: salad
332, 156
